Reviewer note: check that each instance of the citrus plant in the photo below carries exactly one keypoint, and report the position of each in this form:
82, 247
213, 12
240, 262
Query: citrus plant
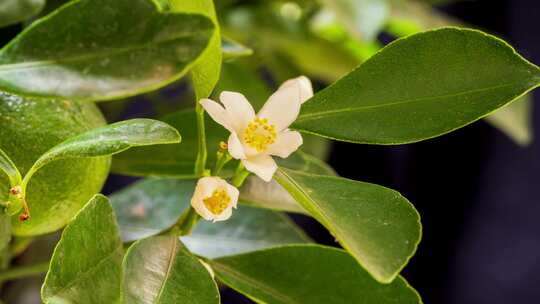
220, 170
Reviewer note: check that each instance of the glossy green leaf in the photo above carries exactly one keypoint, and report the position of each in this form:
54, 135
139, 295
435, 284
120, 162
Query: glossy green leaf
13, 11
420, 87
232, 49
86, 263
363, 18
109, 140
8, 167
248, 229
103, 49
161, 270
377, 225
174, 160
150, 206
411, 17
308, 274
29, 127
515, 120
206, 71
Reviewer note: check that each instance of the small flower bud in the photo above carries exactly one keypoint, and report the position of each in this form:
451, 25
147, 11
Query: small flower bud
24, 217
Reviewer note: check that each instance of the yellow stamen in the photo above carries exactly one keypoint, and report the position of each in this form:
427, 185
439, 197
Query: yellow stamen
259, 134
218, 202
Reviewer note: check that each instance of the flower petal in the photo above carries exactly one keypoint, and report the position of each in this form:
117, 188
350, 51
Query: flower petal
233, 194
238, 108
218, 113
262, 165
306, 89
236, 149
283, 107
287, 142
205, 187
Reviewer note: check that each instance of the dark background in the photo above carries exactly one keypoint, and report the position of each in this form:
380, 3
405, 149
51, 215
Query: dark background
478, 193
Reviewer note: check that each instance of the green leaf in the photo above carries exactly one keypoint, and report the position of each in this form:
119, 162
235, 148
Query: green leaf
377, 225
161, 270
7, 165
150, 206
103, 49
109, 140
410, 17
232, 49
308, 274
248, 229
206, 71
14, 11
515, 120
174, 160
86, 263
420, 87
363, 18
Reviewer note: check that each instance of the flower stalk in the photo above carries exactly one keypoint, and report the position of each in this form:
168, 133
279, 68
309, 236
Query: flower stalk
202, 153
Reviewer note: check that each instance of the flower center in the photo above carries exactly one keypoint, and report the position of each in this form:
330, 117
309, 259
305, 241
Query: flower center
218, 202
259, 134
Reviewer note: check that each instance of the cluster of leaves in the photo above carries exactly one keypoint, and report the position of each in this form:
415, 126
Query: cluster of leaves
419, 87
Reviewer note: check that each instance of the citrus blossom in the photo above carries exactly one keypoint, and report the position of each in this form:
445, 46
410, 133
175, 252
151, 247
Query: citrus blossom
214, 198
255, 138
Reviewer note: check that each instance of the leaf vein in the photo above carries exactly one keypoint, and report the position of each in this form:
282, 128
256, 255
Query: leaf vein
316, 115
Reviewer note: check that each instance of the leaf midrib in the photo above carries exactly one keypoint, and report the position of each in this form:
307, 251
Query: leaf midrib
317, 115
246, 279
112, 52
172, 258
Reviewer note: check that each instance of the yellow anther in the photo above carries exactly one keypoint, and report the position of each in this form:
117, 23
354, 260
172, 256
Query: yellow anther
218, 202
259, 134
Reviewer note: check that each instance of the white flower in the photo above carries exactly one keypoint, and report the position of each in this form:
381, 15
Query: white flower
214, 199
255, 138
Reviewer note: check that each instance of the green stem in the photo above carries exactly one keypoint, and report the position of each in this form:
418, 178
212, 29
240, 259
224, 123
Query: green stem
222, 159
185, 224
240, 175
24, 271
202, 154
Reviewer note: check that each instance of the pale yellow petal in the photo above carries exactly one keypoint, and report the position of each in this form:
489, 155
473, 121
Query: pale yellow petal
239, 110
218, 113
283, 107
306, 89
261, 165
287, 142
236, 149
